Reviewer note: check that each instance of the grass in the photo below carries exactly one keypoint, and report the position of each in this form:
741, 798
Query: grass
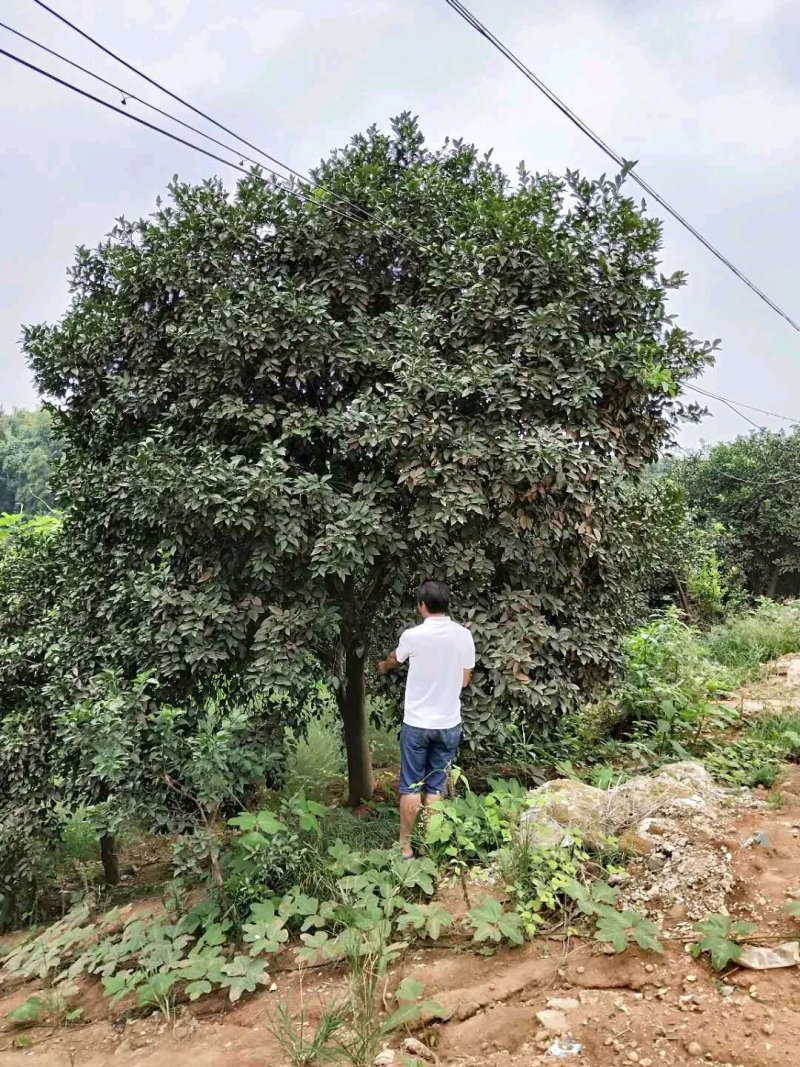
315, 753
747, 641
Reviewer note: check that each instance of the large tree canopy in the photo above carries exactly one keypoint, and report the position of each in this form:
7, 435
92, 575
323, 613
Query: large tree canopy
751, 486
280, 411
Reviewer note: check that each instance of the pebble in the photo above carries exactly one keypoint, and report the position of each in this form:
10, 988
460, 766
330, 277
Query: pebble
555, 1022
633, 1057
768, 1027
416, 1049
694, 1049
649, 968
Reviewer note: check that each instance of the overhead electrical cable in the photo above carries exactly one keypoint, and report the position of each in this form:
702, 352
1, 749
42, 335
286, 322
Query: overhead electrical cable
361, 213
505, 51
740, 404
173, 136
126, 94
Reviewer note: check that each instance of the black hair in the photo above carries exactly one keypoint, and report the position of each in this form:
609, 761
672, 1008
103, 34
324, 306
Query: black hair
435, 596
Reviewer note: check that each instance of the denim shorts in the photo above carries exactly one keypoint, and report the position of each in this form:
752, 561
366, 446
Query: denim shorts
425, 756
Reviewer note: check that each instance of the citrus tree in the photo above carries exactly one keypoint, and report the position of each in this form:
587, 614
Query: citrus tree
751, 486
280, 411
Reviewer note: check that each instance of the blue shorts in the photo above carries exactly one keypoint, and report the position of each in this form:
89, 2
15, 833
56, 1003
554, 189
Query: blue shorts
425, 756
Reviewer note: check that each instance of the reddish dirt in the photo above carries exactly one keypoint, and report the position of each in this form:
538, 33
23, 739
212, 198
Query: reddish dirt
635, 1008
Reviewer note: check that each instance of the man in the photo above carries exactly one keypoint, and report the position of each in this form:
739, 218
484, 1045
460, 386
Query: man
441, 656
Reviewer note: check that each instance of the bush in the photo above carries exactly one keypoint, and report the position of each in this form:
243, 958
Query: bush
667, 672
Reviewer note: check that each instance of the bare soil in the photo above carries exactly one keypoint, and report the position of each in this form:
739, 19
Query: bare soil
628, 1009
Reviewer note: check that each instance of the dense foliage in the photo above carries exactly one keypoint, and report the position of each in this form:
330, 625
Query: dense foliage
277, 418
27, 453
751, 487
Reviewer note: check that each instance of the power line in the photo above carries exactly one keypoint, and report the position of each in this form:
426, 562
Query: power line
166, 133
740, 404
126, 94
627, 167
226, 129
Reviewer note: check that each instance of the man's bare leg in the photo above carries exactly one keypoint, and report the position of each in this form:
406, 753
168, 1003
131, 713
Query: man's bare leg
409, 810
431, 798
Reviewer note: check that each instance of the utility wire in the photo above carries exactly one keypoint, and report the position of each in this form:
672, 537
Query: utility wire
740, 404
166, 133
127, 95
505, 51
360, 211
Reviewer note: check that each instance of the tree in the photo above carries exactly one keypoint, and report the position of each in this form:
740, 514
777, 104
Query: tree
683, 563
27, 453
751, 486
280, 411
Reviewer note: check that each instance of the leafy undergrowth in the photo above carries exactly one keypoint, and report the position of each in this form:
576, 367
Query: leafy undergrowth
366, 909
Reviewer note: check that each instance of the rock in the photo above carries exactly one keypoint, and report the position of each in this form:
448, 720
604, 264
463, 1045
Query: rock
563, 1003
634, 844
385, 1058
694, 1049
416, 1048
564, 804
555, 1022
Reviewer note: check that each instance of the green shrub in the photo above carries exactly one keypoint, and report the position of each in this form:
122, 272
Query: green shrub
667, 670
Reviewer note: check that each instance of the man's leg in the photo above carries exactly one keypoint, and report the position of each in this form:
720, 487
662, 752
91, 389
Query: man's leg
409, 810
442, 752
413, 755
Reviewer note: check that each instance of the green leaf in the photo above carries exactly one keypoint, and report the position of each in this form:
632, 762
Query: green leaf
30, 1012
409, 989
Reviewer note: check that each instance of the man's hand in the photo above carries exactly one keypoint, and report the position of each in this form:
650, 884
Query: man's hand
387, 665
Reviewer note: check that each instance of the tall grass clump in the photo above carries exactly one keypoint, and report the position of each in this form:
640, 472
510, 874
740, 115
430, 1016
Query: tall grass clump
745, 642
314, 749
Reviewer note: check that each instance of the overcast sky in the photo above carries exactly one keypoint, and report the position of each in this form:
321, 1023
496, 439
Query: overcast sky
704, 93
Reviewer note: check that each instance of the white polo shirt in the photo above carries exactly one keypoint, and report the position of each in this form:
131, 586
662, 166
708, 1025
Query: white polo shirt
438, 651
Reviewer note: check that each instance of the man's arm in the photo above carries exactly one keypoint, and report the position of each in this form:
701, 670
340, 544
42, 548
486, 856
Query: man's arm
469, 659
391, 663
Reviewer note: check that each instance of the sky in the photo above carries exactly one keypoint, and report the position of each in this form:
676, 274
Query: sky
705, 94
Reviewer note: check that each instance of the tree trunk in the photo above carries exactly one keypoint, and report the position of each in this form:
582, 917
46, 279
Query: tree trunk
772, 587
108, 854
353, 708
682, 595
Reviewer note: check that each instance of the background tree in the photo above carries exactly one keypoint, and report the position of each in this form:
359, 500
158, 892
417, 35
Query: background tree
751, 486
279, 413
27, 453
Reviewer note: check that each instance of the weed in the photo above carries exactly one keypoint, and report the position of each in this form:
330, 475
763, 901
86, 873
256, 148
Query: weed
720, 939
613, 927
300, 1046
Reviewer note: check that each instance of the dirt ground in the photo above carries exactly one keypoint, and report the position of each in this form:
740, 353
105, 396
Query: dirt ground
635, 1008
